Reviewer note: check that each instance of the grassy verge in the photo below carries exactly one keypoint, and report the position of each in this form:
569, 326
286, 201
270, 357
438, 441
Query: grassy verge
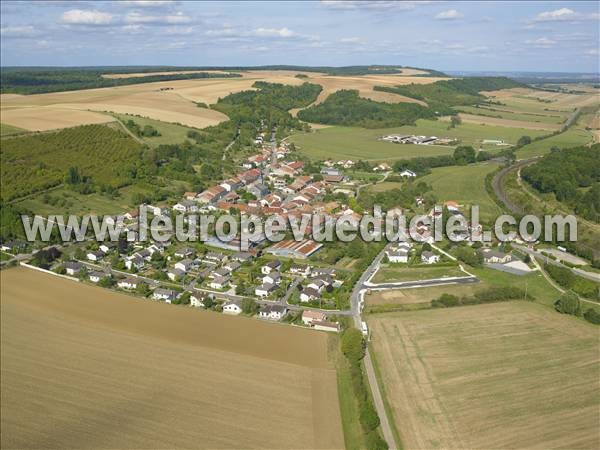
353, 436
386, 404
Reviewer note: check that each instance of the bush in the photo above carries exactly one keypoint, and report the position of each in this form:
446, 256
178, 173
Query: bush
446, 300
375, 441
368, 417
592, 316
352, 345
568, 303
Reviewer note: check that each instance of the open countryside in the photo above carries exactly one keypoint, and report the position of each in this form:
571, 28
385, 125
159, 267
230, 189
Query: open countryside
202, 365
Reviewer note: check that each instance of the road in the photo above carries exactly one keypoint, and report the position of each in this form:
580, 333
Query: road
423, 283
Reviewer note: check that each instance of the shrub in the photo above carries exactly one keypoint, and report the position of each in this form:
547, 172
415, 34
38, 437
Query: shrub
592, 316
568, 303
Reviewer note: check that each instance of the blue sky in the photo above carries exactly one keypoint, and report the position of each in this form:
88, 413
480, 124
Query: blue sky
502, 36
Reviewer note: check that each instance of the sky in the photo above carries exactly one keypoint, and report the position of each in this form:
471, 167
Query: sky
540, 36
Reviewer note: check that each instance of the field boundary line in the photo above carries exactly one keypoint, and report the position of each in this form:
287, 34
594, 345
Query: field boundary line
39, 269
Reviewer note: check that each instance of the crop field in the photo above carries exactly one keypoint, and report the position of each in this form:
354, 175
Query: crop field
531, 99
402, 272
466, 186
503, 113
6, 130
420, 295
490, 376
502, 122
178, 378
359, 143
49, 118
170, 133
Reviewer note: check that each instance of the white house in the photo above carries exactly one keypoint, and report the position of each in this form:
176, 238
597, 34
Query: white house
399, 253
326, 326
496, 257
265, 290
219, 282
135, 262
232, 308
272, 278
128, 283
174, 274
272, 312
318, 284
197, 299
270, 267
300, 269
164, 294
184, 265
95, 277
106, 247
95, 256
308, 317
428, 257
408, 174
73, 267
309, 294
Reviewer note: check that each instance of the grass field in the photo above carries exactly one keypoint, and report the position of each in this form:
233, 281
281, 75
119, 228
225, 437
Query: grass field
574, 136
508, 375
6, 129
501, 112
527, 123
420, 295
170, 133
466, 186
402, 272
359, 143
80, 363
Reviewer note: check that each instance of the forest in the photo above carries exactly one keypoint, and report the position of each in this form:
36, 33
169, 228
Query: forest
38, 81
572, 175
443, 95
346, 108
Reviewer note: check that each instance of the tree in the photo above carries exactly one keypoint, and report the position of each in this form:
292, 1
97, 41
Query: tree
524, 140
352, 344
592, 316
465, 154
249, 306
455, 120
368, 416
143, 289
568, 303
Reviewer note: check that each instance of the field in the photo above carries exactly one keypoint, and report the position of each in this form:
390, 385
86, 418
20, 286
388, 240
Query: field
574, 136
6, 129
466, 186
178, 378
174, 101
504, 113
402, 272
490, 376
419, 295
50, 118
542, 101
170, 133
149, 74
503, 122
358, 143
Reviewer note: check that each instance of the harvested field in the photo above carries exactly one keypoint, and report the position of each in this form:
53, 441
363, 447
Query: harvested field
505, 375
420, 295
175, 101
50, 118
550, 100
497, 121
79, 363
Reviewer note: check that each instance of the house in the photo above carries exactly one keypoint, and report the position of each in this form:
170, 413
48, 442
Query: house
160, 210
215, 257
300, 269
231, 184
95, 277
271, 266
197, 299
135, 262
318, 271
212, 195
242, 257
333, 178
232, 308
428, 257
128, 283
156, 247
295, 249
318, 284
331, 171
184, 265
232, 266
190, 195
496, 257
73, 267
272, 312
175, 274
186, 206
326, 326
95, 255
399, 253
273, 277
308, 317
265, 290
222, 272
258, 190
106, 247
219, 282
13, 246
407, 174
309, 294
383, 167
166, 295
185, 252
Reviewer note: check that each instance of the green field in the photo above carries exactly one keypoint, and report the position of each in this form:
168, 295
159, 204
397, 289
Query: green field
466, 186
402, 272
170, 133
359, 143
386, 186
573, 137
524, 116
6, 129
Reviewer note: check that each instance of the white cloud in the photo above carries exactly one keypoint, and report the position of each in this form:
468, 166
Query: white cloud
274, 32
592, 52
371, 5
170, 19
451, 14
144, 3
564, 14
86, 17
19, 32
542, 42
349, 40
